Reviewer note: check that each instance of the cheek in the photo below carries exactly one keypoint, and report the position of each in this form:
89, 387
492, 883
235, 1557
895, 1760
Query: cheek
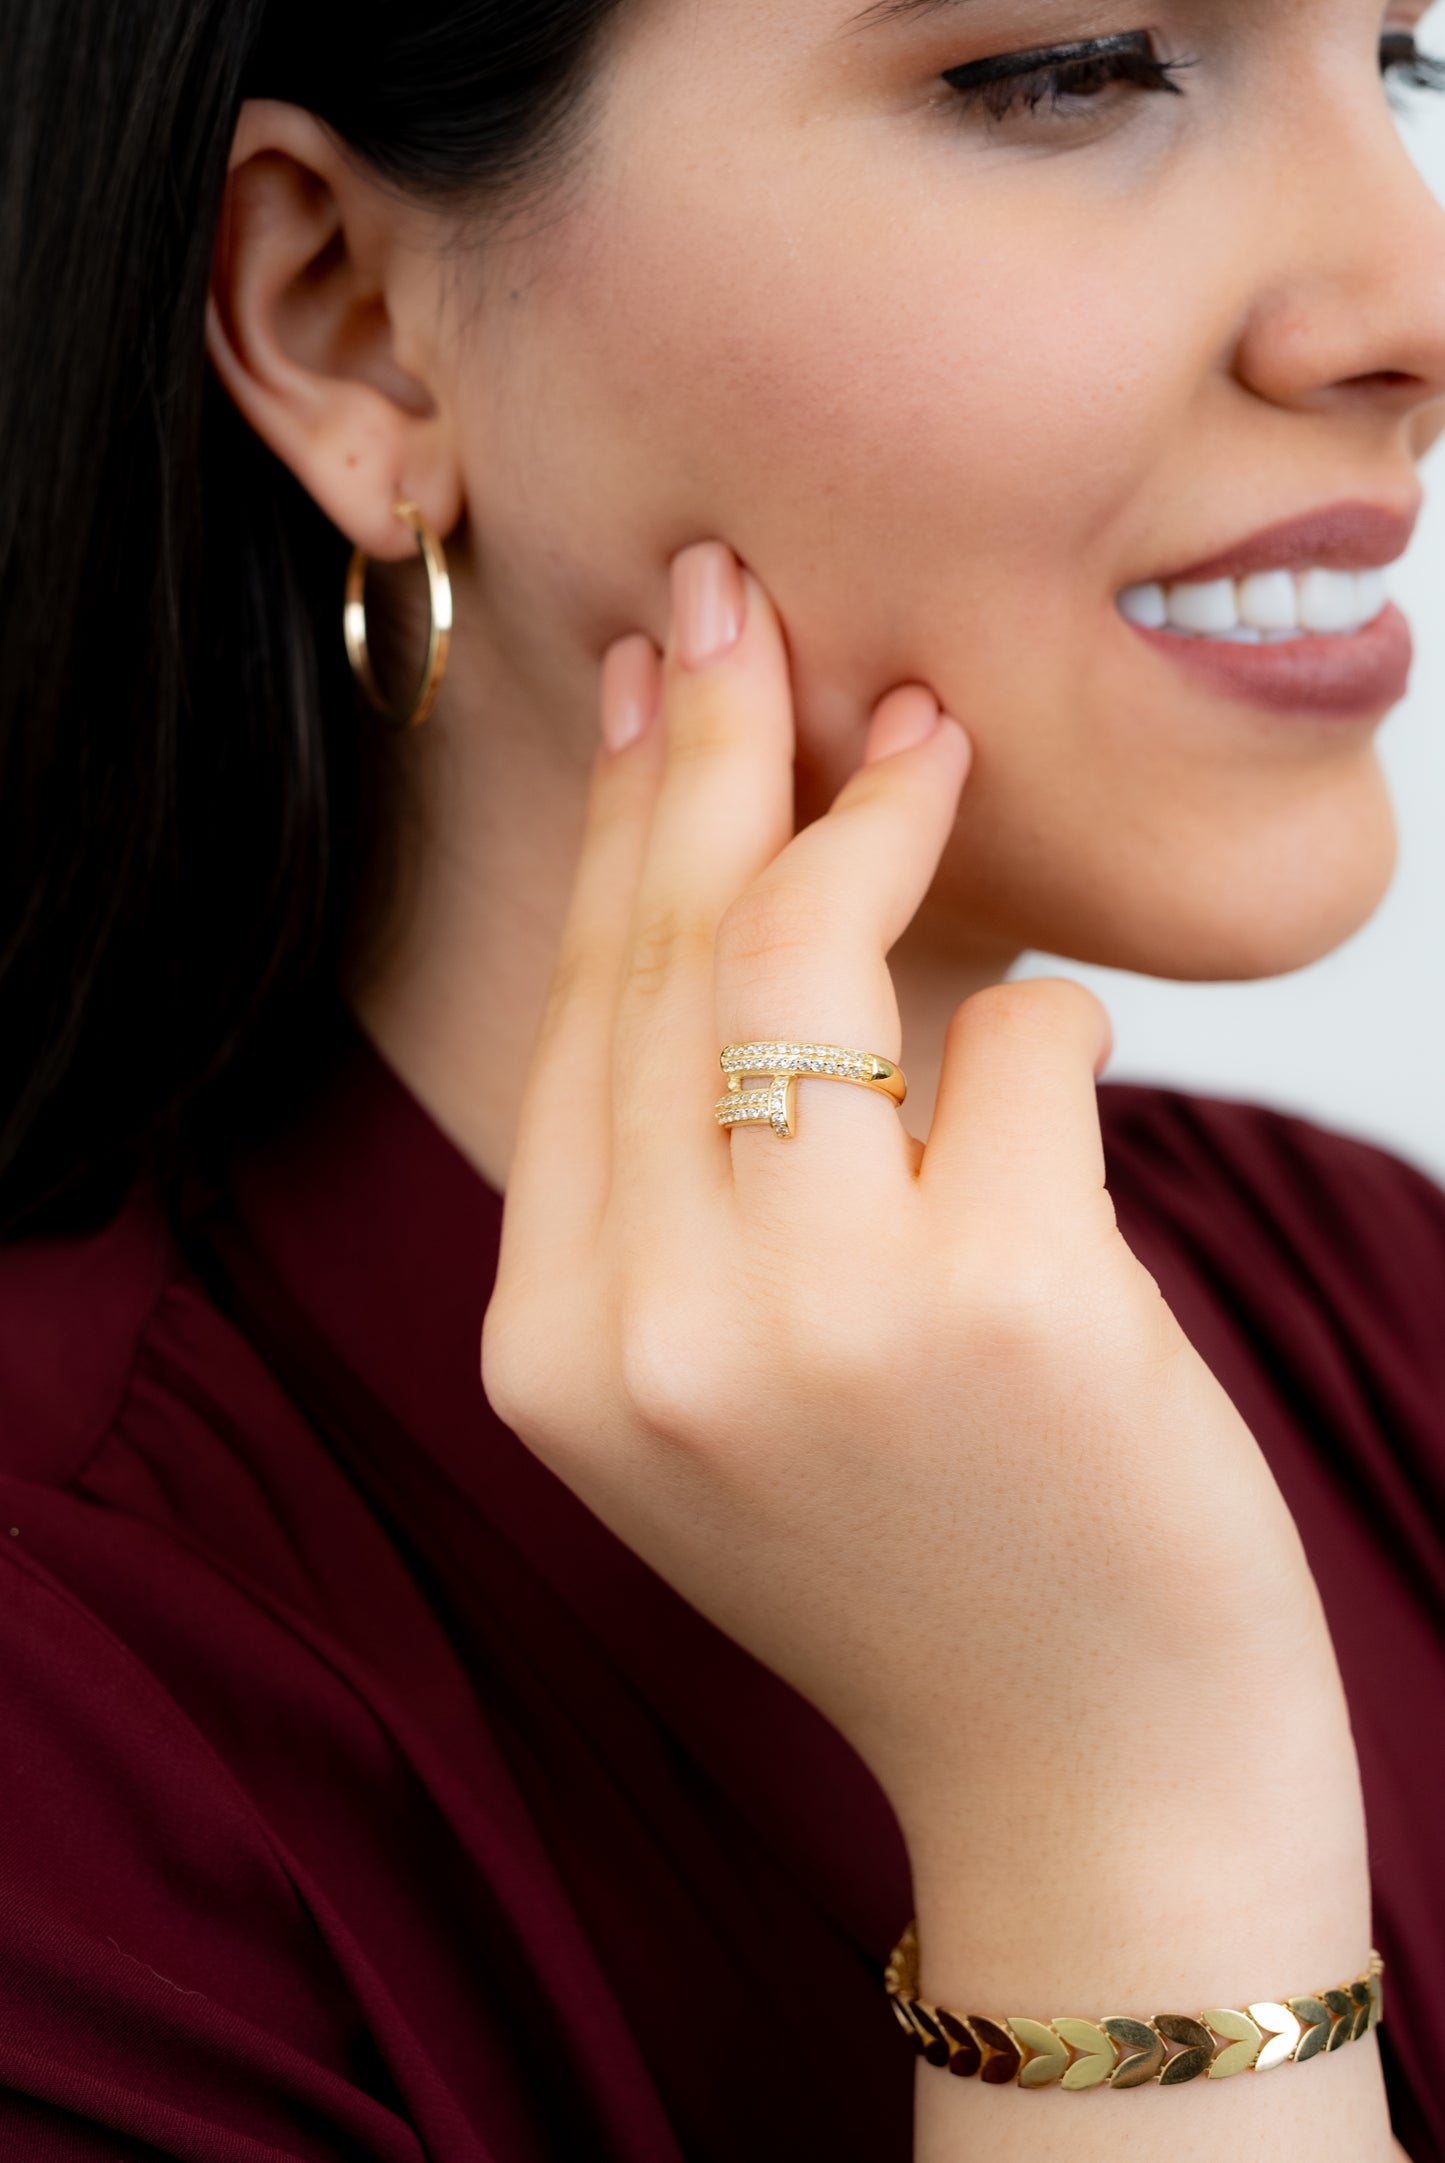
911, 426
835, 383
941, 440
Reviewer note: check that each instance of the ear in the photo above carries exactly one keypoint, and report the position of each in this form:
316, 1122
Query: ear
317, 327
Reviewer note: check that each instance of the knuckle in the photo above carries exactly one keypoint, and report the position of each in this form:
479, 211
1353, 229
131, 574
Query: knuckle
668, 942
521, 1377
572, 976
830, 1341
1011, 1300
885, 786
853, 1351
1069, 1305
769, 921
669, 1380
1029, 1010
1069, 1001
701, 729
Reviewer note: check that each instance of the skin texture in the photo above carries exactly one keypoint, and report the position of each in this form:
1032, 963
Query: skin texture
941, 1427
945, 388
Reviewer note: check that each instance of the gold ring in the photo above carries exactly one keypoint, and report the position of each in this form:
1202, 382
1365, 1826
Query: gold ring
788, 1064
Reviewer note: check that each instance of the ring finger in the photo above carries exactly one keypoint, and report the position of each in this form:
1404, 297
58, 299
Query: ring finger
802, 953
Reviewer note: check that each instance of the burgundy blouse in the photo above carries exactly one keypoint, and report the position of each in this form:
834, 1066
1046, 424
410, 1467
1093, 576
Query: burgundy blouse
363, 1800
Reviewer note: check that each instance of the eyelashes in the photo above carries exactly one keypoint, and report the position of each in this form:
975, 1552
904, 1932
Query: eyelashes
1402, 61
1050, 75
1012, 80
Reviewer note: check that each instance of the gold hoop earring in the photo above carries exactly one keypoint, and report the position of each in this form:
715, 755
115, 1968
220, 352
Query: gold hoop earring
439, 588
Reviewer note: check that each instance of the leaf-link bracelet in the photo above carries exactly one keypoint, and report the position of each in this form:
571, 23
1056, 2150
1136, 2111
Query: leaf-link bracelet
1120, 2051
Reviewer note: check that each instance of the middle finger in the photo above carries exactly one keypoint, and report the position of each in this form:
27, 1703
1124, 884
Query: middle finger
724, 809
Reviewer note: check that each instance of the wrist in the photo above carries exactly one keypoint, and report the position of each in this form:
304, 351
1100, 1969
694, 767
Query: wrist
1215, 1847
1225, 1705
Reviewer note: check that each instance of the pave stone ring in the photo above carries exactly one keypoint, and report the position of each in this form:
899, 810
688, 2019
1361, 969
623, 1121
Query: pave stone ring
775, 1105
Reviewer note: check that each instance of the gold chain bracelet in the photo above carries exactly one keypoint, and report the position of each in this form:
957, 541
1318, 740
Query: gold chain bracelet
1122, 2052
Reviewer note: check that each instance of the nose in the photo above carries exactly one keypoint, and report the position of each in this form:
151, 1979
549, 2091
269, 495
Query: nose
1349, 316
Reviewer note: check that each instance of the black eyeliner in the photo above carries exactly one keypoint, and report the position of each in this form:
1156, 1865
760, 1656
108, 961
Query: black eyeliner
1003, 65
1061, 70
1402, 58
1081, 69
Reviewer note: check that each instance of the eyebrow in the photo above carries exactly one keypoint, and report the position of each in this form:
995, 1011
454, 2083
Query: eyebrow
891, 11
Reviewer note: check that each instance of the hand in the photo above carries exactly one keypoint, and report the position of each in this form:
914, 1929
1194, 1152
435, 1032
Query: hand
912, 1424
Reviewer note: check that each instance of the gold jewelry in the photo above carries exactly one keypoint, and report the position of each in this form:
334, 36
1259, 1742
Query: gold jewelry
439, 588
1124, 2052
776, 1106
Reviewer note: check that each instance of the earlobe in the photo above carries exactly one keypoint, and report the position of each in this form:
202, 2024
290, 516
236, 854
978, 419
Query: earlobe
299, 331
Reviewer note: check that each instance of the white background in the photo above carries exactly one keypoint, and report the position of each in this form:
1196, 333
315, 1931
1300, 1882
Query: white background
1358, 1040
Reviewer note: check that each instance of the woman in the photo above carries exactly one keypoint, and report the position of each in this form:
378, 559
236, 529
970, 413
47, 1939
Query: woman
914, 486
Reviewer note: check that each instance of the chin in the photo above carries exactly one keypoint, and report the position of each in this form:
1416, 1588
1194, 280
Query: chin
1237, 899
1248, 929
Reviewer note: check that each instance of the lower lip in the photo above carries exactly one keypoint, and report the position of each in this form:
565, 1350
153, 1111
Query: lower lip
1357, 674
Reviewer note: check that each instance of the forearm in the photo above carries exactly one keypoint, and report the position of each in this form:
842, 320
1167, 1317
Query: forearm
1211, 1853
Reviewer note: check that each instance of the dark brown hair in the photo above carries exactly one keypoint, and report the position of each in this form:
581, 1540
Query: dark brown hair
192, 803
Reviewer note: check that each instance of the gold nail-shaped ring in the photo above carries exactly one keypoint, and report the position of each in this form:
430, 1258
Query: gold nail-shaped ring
775, 1106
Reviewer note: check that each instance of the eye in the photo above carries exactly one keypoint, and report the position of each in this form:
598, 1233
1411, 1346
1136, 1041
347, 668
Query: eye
1050, 75
1054, 76
1401, 61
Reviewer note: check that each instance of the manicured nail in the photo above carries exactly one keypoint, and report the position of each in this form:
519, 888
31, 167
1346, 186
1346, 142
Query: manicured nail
629, 690
709, 601
905, 718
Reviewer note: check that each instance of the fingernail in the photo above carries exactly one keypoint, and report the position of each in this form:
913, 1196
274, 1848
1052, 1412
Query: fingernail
629, 690
709, 601
905, 718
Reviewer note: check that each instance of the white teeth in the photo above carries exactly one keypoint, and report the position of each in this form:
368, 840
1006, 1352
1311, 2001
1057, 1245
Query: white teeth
1145, 605
1327, 601
1264, 609
1209, 607
1371, 596
1267, 600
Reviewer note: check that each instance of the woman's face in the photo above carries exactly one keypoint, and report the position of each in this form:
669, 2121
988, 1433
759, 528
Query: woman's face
950, 382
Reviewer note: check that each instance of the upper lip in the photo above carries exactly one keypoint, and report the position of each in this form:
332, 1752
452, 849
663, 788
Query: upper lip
1339, 536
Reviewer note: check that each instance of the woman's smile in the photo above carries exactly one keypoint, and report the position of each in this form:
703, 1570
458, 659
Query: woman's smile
1306, 599
1358, 672
950, 373
766, 447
